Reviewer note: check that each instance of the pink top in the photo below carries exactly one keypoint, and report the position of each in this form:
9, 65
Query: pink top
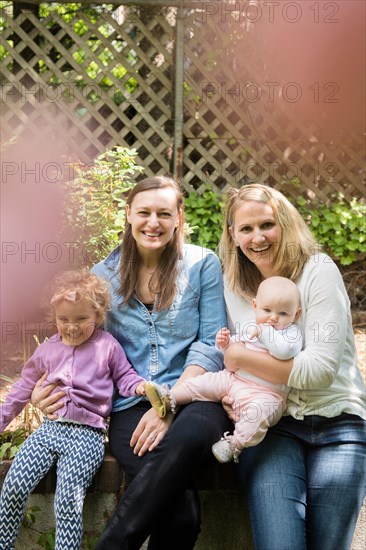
86, 373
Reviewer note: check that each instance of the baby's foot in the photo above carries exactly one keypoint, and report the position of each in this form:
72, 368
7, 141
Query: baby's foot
224, 451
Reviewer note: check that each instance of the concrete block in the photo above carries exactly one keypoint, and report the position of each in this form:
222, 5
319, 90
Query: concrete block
225, 520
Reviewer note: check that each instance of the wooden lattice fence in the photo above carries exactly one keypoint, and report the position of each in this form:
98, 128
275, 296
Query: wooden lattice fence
237, 132
112, 85
116, 83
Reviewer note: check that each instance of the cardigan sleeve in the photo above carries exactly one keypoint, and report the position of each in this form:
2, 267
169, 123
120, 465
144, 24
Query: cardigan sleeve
282, 344
325, 312
123, 374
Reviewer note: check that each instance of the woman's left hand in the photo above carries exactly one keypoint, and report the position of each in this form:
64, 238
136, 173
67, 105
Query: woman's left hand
48, 403
149, 432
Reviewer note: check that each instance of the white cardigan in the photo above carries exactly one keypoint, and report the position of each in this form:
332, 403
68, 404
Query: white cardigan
325, 379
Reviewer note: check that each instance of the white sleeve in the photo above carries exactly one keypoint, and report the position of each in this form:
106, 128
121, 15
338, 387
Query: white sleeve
240, 315
282, 344
325, 316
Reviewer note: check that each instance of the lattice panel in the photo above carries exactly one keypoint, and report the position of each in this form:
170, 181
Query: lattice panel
235, 136
114, 84
110, 86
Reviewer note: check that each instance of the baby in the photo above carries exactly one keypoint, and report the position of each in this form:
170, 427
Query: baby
86, 363
259, 403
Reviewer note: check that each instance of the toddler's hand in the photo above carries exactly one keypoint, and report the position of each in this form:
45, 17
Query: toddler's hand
140, 390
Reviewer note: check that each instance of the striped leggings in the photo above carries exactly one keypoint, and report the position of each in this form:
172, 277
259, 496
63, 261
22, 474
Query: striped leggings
78, 452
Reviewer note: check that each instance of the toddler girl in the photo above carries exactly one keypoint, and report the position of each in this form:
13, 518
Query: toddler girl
85, 362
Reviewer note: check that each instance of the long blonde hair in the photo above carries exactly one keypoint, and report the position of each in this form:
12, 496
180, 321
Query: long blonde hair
295, 248
163, 282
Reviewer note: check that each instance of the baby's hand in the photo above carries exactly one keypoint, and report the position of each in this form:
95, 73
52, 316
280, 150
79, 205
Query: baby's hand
140, 390
223, 338
255, 333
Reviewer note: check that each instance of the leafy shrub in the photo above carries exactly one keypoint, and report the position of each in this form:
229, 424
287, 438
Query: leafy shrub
10, 442
95, 210
204, 217
340, 226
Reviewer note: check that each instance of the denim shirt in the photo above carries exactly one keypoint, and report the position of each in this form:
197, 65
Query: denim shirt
160, 345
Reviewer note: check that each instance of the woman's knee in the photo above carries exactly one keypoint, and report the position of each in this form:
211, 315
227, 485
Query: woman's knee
200, 424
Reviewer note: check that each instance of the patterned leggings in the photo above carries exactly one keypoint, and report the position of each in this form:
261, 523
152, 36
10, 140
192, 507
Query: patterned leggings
78, 452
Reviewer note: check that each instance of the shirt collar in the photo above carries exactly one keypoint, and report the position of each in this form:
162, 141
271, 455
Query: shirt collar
112, 259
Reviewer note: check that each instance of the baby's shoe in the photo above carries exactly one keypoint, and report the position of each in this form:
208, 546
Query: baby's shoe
158, 397
223, 449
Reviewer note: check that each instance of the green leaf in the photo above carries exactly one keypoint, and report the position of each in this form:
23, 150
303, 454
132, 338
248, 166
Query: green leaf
3, 450
13, 451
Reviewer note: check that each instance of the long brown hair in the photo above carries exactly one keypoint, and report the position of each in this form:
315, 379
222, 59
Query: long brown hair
163, 282
295, 248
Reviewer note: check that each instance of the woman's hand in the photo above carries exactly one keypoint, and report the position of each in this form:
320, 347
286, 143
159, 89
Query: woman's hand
230, 409
151, 429
41, 398
238, 356
149, 432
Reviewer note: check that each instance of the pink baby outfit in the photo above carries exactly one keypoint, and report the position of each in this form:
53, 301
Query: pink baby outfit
258, 403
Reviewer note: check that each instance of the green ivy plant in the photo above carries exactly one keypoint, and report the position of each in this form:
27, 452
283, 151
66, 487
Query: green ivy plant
47, 540
30, 516
10, 442
339, 226
95, 209
204, 217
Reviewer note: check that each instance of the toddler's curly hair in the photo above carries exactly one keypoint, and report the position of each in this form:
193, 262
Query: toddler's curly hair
82, 284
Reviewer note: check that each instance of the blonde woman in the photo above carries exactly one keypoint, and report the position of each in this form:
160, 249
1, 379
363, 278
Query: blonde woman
306, 480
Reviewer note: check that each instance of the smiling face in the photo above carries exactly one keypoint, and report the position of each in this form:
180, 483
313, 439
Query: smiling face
75, 321
154, 216
256, 231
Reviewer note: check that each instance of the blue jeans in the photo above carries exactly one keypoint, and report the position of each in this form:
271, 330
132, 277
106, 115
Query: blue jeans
306, 482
